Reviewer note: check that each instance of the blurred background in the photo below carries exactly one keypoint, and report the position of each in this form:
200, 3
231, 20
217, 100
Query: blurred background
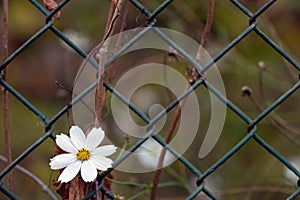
250, 174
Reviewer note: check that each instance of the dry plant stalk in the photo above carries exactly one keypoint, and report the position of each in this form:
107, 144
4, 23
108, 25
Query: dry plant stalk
77, 189
276, 121
5, 93
101, 92
100, 89
204, 38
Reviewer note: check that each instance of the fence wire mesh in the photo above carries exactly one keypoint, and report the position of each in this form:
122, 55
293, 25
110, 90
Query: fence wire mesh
251, 134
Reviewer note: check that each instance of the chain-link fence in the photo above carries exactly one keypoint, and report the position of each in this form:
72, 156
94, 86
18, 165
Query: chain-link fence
251, 134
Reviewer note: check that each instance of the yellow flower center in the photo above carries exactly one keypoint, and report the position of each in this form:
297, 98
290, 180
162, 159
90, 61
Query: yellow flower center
83, 154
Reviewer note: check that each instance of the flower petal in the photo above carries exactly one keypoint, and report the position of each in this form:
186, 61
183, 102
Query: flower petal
88, 171
70, 172
94, 138
101, 162
62, 160
77, 137
106, 150
65, 143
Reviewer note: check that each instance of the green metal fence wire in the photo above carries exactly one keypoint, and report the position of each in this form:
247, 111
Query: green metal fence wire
250, 134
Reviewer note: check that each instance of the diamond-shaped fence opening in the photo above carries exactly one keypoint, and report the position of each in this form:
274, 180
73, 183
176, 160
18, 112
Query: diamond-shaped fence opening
256, 153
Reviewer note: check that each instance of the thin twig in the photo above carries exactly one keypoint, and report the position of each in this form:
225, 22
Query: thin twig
109, 19
275, 119
208, 24
34, 178
5, 94
204, 38
96, 189
163, 152
278, 123
73, 93
120, 37
273, 32
251, 189
69, 100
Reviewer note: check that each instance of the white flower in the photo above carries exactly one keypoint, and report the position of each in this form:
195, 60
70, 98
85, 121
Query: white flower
82, 154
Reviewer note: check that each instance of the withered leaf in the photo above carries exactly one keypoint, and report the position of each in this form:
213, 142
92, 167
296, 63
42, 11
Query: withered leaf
50, 5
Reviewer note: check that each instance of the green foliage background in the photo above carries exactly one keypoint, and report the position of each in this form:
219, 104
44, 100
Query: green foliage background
35, 71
